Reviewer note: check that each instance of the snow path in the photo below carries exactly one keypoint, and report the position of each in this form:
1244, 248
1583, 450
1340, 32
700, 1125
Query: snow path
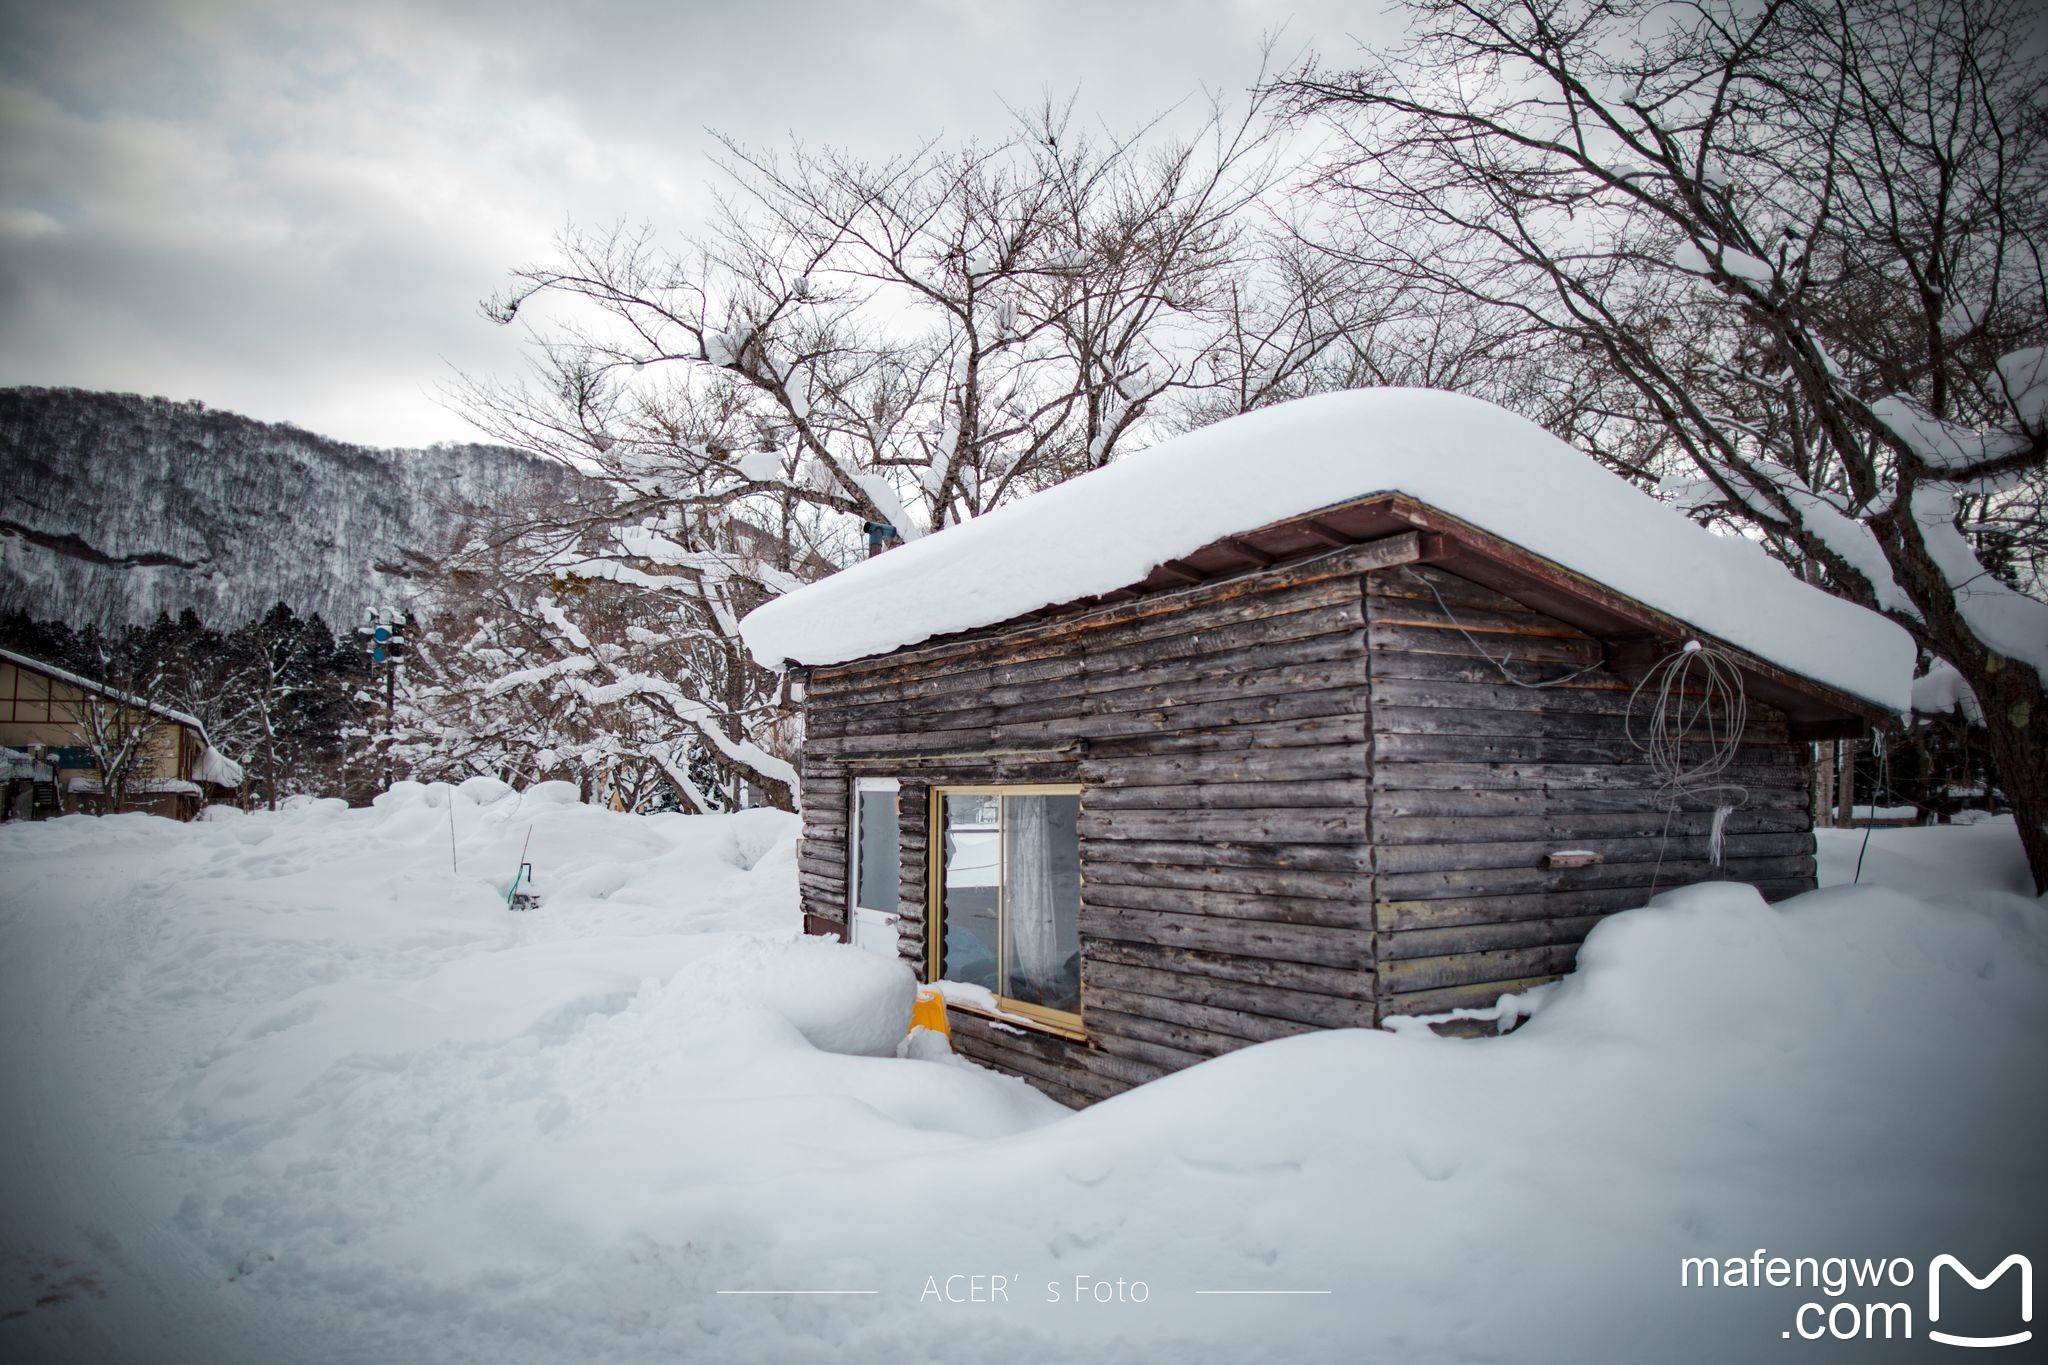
94, 1225
290, 1089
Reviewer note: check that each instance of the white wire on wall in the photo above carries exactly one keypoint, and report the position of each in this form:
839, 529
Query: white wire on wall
1687, 717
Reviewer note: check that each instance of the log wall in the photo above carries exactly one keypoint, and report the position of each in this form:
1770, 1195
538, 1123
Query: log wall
1475, 780
1309, 801
1219, 736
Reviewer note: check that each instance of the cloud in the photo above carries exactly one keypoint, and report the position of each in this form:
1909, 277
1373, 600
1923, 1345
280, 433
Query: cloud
292, 211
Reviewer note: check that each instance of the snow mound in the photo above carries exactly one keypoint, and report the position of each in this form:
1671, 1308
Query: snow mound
296, 1087
840, 998
482, 791
1506, 475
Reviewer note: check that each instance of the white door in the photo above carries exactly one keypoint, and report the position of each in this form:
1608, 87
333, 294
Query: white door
875, 864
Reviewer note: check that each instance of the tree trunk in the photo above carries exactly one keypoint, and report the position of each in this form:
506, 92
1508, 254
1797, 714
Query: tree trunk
2011, 697
1845, 799
1823, 786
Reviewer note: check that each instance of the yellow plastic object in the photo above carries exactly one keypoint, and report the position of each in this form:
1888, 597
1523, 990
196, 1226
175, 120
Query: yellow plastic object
930, 1012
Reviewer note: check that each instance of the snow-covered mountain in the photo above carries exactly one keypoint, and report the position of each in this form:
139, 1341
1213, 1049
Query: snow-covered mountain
114, 506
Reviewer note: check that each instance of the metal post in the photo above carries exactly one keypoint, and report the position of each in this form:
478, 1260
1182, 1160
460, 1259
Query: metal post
390, 713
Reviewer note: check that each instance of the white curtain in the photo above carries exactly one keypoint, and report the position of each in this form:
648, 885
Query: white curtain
1032, 892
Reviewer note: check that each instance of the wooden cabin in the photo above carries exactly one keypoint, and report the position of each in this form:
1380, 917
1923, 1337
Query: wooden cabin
1367, 760
51, 770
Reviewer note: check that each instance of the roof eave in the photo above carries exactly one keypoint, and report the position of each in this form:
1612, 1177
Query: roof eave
1636, 634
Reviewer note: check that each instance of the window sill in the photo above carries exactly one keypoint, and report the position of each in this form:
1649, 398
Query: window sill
1023, 1023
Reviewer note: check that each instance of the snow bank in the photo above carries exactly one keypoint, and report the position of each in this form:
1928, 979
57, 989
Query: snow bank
840, 1000
1933, 860
292, 1088
1109, 528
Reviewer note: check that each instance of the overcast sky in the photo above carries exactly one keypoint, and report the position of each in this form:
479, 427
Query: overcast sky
291, 210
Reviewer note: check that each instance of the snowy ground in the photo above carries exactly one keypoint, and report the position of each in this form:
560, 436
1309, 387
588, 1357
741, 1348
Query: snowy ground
292, 1088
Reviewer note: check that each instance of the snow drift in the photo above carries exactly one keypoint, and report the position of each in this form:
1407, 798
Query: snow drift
297, 1087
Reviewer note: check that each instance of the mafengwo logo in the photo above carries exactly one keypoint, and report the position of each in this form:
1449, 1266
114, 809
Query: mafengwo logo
1851, 1316
1934, 1269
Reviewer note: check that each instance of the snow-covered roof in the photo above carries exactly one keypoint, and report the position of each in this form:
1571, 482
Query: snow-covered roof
217, 768
14, 763
137, 786
1477, 462
101, 689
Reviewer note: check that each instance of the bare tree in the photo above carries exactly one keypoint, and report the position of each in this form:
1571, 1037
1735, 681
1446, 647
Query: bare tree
579, 642
1802, 244
120, 725
888, 347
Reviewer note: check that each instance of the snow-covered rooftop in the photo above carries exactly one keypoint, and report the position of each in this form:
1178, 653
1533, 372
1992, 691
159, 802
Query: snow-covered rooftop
217, 768
1480, 463
85, 684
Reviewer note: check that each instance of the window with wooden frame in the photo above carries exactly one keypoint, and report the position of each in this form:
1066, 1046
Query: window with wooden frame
874, 864
1005, 901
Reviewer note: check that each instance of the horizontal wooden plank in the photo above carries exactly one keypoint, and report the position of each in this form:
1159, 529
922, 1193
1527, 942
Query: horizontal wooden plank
1470, 668
1523, 778
1111, 981
1212, 767
1397, 858
1095, 1067
1476, 938
1402, 747
1225, 853
1764, 727
814, 887
1393, 858
1520, 650
1073, 1086
1347, 729
1241, 881
1435, 585
1463, 969
1629, 790
1580, 827
1493, 628
1138, 1052
1443, 999
1500, 881
1350, 948
1170, 718
1295, 978
1104, 1002
899, 718
1198, 1042
1185, 694
1311, 826
1278, 909
1397, 915
822, 855
925, 742
919, 772
1595, 698
1342, 794
1335, 631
